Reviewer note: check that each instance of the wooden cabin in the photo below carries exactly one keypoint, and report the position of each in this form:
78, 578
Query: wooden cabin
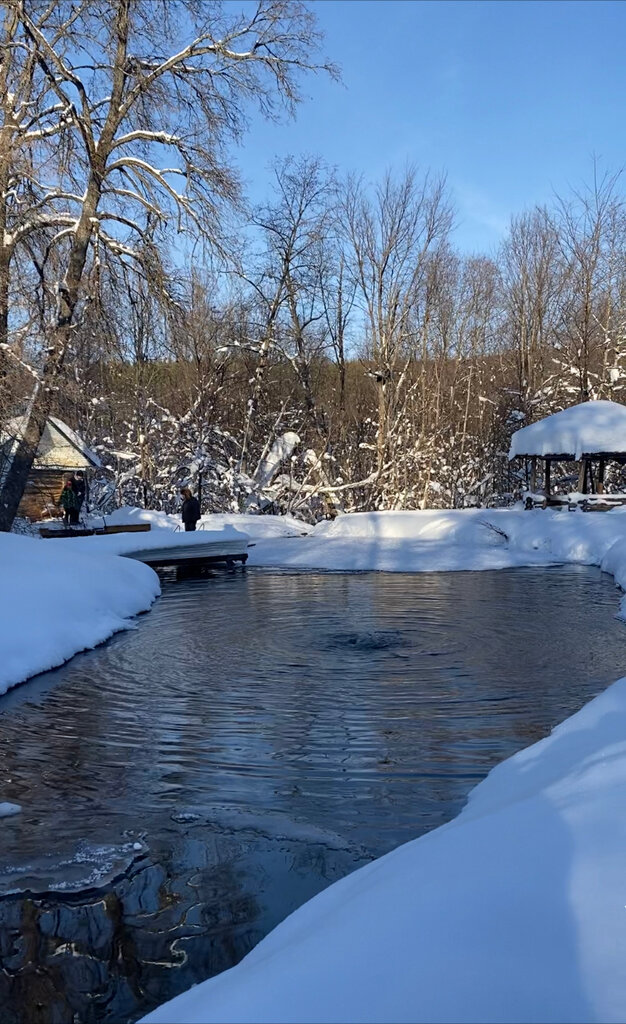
590, 435
61, 451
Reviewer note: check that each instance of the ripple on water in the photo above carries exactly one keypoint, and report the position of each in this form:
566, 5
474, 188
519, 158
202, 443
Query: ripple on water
261, 734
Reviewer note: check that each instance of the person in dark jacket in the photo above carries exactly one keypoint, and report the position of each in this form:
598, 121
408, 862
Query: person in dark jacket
80, 488
191, 509
69, 503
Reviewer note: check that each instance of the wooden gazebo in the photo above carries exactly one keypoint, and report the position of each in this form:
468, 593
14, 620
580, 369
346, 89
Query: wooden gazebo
590, 434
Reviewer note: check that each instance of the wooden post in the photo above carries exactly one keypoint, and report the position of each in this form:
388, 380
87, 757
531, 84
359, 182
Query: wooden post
582, 477
547, 479
533, 474
592, 482
600, 484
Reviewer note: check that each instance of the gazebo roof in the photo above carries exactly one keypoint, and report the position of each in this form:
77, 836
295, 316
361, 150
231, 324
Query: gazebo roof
588, 429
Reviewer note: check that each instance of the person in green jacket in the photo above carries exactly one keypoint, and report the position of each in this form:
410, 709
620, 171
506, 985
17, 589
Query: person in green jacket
69, 503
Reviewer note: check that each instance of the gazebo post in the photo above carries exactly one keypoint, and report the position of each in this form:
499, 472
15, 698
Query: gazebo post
547, 478
582, 477
600, 485
533, 474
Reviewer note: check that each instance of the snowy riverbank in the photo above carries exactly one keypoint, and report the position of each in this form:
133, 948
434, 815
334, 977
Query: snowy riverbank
469, 539
57, 600
514, 911
74, 604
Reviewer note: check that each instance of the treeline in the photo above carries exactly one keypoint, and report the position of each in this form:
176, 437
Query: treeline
329, 349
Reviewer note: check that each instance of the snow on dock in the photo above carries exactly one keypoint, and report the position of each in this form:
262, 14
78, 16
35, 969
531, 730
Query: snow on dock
162, 546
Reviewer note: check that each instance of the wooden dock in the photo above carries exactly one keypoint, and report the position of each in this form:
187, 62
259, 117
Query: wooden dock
197, 554
194, 556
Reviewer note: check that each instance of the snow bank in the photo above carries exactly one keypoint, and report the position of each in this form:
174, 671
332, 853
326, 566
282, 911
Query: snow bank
514, 911
253, 526
468, 539
586, 428
58, 599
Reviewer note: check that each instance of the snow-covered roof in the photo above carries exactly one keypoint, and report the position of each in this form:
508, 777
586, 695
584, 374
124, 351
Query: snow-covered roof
74, 439
53, 451
590, 428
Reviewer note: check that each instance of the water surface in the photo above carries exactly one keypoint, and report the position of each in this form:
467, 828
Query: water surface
259, 735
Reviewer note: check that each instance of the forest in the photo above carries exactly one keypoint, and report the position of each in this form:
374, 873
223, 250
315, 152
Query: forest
329, 350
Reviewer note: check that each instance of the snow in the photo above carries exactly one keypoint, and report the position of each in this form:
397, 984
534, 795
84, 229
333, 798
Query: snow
254, 526
57, 600
15, 428
159, 537
281, 450
588, 428
453, 540
514, 911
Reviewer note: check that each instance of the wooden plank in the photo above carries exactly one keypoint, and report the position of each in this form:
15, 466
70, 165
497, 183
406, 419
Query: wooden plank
48, 533
125, 528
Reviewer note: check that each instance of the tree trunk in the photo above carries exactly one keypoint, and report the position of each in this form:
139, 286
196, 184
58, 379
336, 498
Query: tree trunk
15, 479
382, 425
7, 132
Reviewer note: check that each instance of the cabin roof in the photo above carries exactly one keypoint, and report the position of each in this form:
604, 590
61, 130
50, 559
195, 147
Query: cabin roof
588, 429
60, 446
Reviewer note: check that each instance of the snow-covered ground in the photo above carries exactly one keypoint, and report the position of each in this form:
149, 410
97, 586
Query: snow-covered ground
56, 600
254, 526
514, 911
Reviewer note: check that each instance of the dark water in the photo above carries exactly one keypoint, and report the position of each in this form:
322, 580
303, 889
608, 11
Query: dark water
258, 736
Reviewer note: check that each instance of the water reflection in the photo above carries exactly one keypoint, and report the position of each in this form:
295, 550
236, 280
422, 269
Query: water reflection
259, 735
183, 914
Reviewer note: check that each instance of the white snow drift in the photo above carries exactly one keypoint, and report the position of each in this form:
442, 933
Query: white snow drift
58, 599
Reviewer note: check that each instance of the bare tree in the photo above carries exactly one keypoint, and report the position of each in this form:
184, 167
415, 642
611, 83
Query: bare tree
130, 182
532, 285
391, 237
287, 286
590, 232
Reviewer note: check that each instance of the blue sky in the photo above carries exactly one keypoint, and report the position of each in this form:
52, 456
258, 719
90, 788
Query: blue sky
512, 99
